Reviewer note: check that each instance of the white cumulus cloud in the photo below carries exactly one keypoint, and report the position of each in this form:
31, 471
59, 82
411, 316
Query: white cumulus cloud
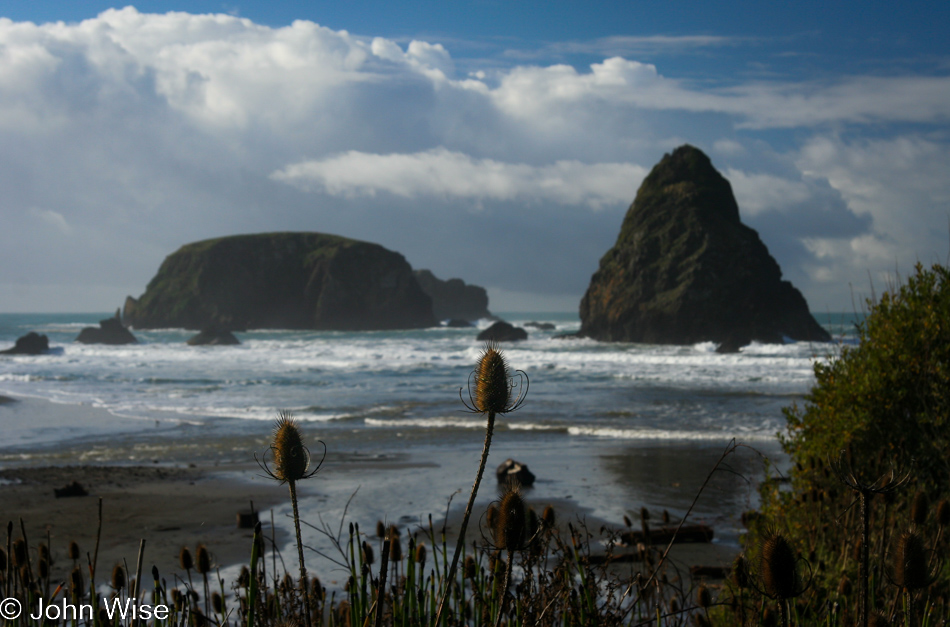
447, 174
135, 133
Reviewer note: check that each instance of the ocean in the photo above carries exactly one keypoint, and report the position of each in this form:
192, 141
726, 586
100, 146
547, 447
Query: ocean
611, 426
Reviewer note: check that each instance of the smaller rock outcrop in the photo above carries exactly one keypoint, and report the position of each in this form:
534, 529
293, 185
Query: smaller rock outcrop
513, 473
458, 323
71, 489
540, 326
30, 344
453, 298
213, 336
503, 331
109, 331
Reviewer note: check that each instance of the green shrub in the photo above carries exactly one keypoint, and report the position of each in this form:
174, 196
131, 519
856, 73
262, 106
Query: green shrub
885, 402
886, 399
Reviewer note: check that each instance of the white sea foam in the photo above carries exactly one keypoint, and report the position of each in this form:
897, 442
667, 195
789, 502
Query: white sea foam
411, 380
435, 422
663, 434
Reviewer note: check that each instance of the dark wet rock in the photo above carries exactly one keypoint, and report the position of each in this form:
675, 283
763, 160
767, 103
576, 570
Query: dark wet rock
685, 269
283, 281
729, 346
453, 298
457, 323
213, 336
30, 344
502, 331
73, 489
514, 473
109, 331
541, 326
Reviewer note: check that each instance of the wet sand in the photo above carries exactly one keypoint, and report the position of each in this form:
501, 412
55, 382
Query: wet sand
168, 507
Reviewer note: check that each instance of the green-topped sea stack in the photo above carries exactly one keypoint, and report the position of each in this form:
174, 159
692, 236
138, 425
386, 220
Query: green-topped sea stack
685, 269
282, 281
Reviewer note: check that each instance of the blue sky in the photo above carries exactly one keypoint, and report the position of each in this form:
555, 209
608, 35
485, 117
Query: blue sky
500, 142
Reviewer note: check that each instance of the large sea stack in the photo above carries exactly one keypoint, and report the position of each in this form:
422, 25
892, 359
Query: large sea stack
282, 281
685, 269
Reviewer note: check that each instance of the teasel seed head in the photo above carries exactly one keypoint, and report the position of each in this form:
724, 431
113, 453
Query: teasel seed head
316, 589
184, 559
510, 522
395, 546
492, 389
43, 552
531, 520
491, 515
703, 596
943, 513
74, 552
844, 586
740, 573
118, 577
42, 568
291, 459
19, 553
910, 568
469, 568
75, 581
368, 556
421, 554
203, 560
491, 386
778, 568
217, 602
548, 516
380, 529
919, 508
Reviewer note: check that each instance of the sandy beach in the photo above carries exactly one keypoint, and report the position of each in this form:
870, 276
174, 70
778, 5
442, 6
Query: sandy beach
168, 507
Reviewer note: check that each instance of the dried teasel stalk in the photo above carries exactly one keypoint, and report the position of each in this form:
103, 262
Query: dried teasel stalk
491, 391
291, 464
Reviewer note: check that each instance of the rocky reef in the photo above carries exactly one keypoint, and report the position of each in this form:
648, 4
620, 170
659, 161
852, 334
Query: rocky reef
110, 331
282, 281
454, 299
685, 269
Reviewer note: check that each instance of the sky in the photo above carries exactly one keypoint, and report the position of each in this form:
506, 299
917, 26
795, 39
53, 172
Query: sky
500, 142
